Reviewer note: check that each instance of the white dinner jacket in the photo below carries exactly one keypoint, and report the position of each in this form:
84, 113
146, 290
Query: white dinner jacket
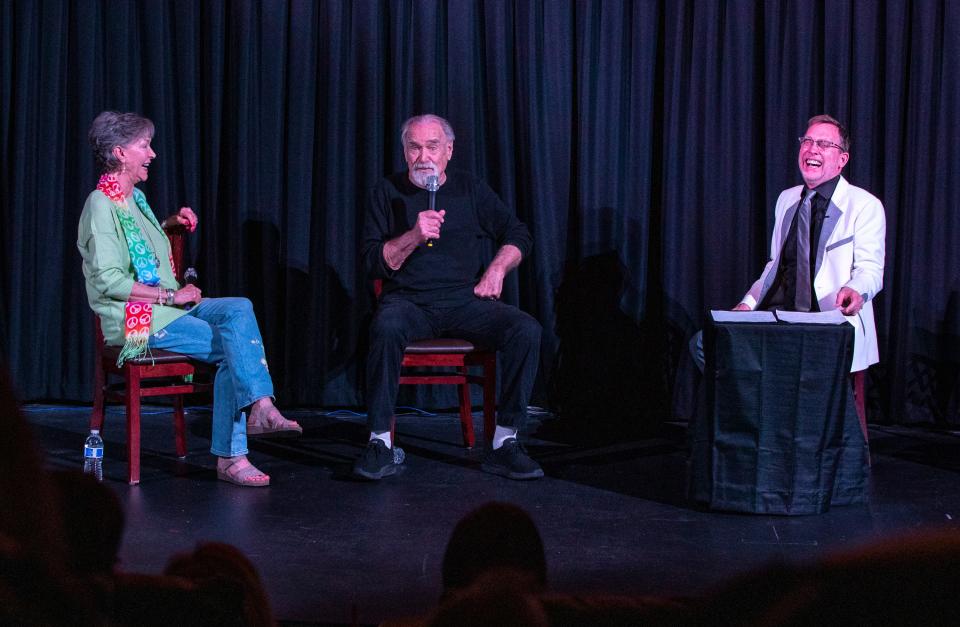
850, 253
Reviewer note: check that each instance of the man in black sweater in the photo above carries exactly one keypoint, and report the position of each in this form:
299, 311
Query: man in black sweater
434, 285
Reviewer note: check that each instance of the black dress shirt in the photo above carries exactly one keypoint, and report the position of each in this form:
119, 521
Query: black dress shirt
782, 293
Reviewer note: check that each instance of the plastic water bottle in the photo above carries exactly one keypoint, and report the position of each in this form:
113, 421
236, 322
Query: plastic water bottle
93, 455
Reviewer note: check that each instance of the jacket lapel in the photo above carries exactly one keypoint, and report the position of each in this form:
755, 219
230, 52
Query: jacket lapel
784, 230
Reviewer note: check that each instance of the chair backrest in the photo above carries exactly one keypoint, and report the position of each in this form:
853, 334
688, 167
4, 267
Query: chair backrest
178, 236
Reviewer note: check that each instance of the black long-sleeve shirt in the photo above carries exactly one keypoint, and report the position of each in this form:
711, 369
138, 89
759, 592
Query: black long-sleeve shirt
448, 270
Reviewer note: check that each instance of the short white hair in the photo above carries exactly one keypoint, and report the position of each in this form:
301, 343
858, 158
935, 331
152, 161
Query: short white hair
426, 117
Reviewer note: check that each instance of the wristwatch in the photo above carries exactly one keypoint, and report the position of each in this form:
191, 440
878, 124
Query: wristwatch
169, 300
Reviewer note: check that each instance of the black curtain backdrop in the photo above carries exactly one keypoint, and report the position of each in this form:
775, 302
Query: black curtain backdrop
644, 143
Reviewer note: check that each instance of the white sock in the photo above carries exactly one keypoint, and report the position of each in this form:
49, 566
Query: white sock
383, 436
501, 434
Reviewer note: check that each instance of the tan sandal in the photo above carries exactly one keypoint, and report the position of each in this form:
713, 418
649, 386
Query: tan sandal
274, 425
241, 472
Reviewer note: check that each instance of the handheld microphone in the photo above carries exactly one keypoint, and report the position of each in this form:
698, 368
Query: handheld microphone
190, 278
433, 184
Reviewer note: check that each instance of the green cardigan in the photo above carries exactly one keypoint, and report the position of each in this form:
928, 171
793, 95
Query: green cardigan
107, 269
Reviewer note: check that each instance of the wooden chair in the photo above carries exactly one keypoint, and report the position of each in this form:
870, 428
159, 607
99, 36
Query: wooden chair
859, 379
459, 355
160, 373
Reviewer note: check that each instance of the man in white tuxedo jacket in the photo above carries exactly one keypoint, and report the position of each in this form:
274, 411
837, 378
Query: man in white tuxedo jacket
847, 231
846, 242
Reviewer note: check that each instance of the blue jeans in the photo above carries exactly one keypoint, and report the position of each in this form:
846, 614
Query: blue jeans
224, 331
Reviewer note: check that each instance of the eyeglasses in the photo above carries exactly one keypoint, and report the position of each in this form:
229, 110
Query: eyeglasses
822, 144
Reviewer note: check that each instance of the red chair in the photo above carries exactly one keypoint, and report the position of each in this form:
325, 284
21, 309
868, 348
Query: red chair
860, 400
162, 373
459, 355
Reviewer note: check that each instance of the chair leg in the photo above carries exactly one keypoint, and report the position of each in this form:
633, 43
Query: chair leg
99, 382
466, 417
859, 398
489, 398
179, 426
133, 425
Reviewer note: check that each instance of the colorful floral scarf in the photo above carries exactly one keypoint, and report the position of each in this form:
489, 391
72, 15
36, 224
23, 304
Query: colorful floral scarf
138, 315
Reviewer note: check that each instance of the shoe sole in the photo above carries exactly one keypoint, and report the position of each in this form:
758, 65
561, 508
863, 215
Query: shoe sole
222, 476
380, 474
512, 474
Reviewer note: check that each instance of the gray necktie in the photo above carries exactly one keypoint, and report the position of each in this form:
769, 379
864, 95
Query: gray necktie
801, 297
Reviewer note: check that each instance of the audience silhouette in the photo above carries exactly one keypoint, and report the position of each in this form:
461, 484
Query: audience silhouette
219, 564
93, 520
60, 533
495, 536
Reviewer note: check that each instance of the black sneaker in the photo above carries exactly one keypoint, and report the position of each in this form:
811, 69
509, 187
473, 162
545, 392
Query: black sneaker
511, 461
378, 461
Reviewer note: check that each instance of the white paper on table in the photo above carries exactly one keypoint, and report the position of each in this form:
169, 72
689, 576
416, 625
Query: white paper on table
831, 316
725, 315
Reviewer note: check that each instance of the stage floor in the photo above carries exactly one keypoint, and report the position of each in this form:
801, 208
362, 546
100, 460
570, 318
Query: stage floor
612, 515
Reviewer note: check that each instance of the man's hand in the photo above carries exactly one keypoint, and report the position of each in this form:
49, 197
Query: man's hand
849, 301
742, 307
185, 216
490, 285
428, 224
396, 251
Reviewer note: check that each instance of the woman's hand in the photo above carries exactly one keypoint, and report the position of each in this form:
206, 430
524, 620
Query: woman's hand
187, 294
185, 216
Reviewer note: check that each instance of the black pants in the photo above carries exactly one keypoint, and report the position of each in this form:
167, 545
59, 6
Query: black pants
492, 325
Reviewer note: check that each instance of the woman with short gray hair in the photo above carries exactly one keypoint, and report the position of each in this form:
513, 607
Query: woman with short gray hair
131, 286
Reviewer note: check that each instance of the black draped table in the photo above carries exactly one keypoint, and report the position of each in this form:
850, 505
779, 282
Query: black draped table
780, 434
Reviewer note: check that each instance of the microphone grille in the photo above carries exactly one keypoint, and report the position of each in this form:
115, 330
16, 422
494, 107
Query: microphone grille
433, 183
